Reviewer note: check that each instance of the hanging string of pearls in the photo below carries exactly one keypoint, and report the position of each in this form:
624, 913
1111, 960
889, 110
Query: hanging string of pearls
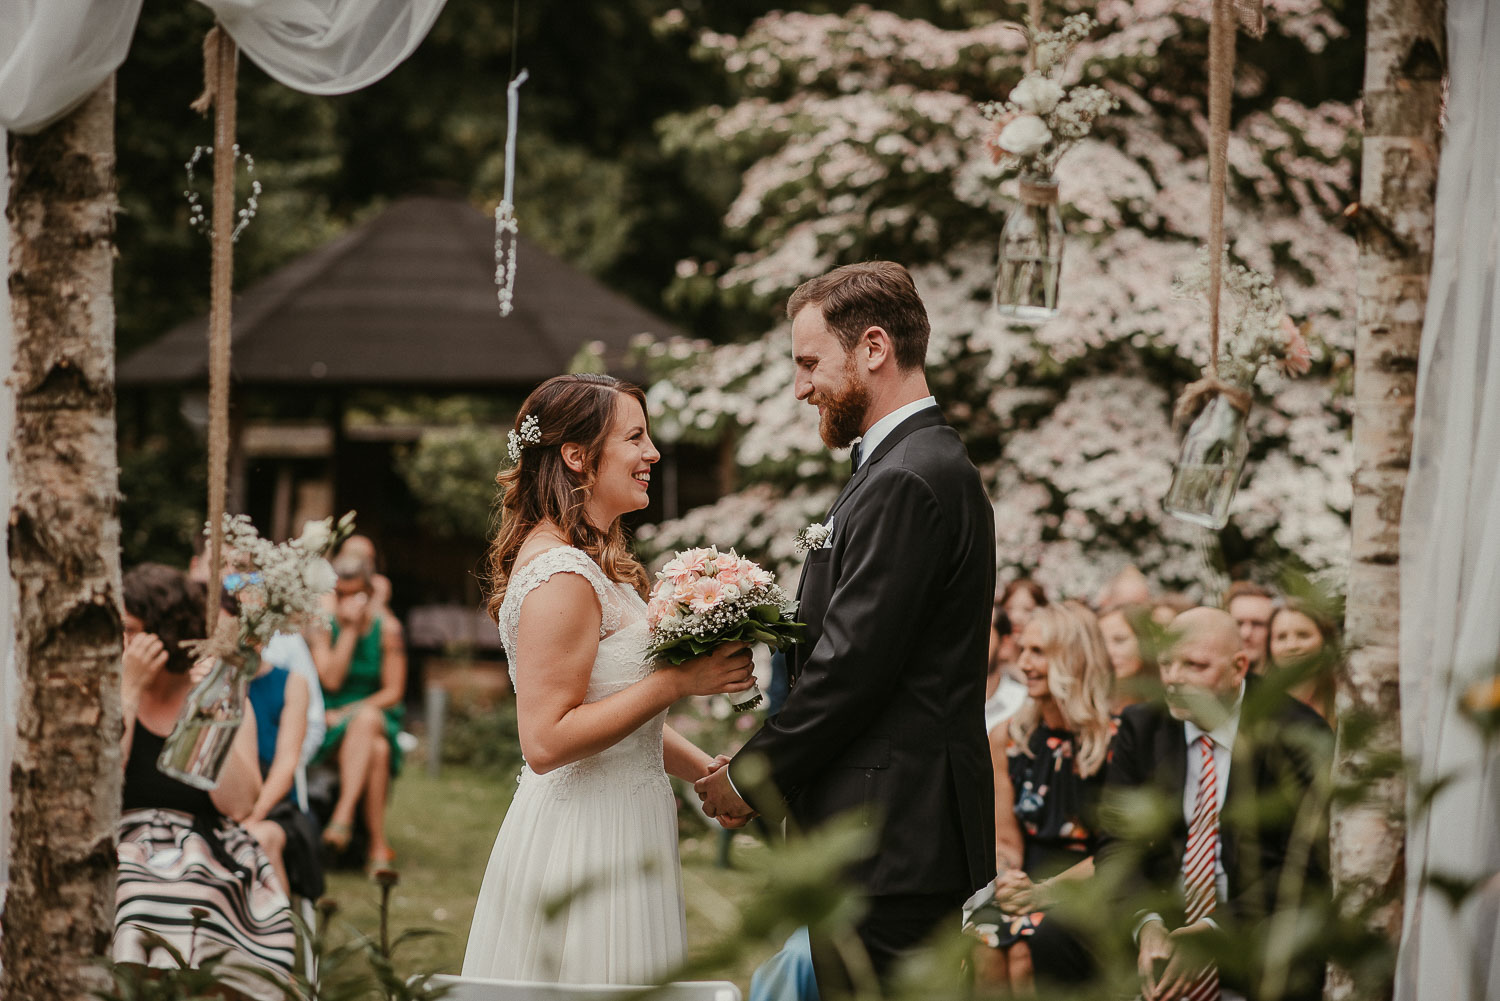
198, 216
505, 213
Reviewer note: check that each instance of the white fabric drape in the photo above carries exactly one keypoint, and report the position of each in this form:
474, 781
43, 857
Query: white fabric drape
1450, 543
327, 46
54, 53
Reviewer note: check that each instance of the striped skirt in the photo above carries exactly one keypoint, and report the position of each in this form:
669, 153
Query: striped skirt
206, 888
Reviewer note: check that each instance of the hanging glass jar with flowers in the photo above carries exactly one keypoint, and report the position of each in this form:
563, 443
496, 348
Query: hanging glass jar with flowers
277, 588
1255, 330
1039, 122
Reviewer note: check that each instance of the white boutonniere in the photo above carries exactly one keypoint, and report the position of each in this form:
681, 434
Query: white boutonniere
814, 536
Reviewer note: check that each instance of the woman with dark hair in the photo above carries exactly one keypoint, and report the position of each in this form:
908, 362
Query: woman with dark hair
1129, 636
583, 884
1303, 647
188, 871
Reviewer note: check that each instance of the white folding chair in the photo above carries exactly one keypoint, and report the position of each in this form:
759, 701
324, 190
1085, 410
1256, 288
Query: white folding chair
485, 989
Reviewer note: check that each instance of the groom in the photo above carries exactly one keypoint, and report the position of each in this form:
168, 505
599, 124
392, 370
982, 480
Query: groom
886, 710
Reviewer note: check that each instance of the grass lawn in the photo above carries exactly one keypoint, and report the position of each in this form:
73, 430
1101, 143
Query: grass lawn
443, 829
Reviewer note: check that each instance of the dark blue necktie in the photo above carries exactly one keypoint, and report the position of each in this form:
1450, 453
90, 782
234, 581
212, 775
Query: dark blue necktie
854, 453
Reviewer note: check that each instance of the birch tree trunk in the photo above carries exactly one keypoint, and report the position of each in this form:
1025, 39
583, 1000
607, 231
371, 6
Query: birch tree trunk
65, 558
1404, 65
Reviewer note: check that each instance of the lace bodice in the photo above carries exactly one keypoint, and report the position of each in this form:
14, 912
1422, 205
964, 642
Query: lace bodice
621, 661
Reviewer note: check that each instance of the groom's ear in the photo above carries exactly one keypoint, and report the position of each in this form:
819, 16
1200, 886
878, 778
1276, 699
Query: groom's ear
874, 348
573, 456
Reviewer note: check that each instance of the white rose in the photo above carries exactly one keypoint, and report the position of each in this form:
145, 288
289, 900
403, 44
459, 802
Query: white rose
314, 538
1025, 136
319, 577
1036, 94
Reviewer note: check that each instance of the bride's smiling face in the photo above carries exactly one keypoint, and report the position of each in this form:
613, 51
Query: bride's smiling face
624, 476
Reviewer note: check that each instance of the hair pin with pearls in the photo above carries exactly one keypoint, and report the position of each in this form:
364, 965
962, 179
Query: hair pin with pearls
529, 434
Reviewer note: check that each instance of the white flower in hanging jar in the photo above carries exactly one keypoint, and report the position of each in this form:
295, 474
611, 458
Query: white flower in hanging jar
1254, 330
1026, 135
1039, 122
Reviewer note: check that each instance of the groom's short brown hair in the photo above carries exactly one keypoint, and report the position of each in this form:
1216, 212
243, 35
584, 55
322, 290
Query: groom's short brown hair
855, 297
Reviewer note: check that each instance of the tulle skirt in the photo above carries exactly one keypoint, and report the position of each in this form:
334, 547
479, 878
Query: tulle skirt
583, 884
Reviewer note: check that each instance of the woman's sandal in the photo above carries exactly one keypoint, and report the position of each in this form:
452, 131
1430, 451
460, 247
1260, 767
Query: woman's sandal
336, 837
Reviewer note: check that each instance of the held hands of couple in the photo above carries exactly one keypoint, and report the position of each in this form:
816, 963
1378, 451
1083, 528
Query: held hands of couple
728, 668
719, 798
1015, 893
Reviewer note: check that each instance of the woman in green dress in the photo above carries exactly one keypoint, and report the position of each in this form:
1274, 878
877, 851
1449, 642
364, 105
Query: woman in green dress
362, 665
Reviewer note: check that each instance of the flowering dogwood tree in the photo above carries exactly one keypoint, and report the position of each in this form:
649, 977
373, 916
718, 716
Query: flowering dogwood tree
859, 136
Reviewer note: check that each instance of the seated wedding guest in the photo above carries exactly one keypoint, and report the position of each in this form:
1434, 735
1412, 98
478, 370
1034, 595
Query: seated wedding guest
361, 547
1127, 632
361, 661
1234, 762
188, 871
1305, 639
1018, 600
1251, 606
288, 834
1046, 796
1004, 689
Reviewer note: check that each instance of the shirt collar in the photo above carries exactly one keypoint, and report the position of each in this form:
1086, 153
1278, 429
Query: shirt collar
1222, 735
882, 428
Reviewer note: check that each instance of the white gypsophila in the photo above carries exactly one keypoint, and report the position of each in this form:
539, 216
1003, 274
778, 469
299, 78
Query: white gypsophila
288, 580
1036, 95
1026, 136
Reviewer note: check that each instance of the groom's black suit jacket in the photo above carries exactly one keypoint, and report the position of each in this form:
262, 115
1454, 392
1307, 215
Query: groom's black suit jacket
886, 710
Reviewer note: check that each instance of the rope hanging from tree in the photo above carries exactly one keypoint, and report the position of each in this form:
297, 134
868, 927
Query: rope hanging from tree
220, 59
1221, 41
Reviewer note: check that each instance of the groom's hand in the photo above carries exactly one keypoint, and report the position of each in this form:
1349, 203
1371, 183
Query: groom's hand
720, 800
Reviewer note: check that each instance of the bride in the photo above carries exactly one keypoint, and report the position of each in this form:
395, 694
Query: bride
583, 884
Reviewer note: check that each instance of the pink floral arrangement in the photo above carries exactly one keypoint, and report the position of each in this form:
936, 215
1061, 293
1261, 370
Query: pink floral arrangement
703, 598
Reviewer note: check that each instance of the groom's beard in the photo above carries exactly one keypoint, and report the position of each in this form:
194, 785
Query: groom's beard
843, 412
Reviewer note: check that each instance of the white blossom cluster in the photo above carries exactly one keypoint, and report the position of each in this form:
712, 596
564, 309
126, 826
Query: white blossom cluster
1041, 119
1069, 421
1255, 329
282, 584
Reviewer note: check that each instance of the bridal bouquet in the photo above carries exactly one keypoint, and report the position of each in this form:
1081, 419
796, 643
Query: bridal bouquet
703, 598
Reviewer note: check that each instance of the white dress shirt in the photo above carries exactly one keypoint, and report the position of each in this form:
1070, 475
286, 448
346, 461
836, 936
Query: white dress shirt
882, 428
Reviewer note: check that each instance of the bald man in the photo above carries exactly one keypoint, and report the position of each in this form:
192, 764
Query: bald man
1234, 758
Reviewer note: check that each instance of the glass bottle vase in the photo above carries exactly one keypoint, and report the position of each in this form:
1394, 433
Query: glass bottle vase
1208, 467
196, 749
1031, 246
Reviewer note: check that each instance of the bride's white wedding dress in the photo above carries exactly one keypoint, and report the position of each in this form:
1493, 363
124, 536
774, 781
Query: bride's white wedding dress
583, 884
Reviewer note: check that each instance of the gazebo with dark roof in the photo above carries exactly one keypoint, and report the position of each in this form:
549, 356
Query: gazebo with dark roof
406, 299
404, 303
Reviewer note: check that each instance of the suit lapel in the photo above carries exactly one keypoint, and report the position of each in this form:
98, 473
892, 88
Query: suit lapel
928, 417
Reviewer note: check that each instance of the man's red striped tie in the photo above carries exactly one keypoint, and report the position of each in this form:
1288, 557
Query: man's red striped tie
1198, 865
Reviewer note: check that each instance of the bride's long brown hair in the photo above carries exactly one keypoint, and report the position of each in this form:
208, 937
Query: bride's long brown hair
540, 487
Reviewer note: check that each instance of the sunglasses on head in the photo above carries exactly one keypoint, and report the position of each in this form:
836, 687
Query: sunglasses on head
238, 581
